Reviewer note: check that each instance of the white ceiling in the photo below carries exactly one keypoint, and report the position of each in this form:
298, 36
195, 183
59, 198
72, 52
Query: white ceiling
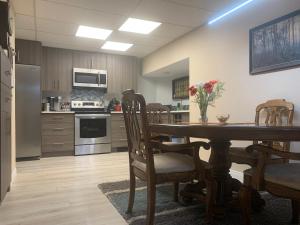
54, 22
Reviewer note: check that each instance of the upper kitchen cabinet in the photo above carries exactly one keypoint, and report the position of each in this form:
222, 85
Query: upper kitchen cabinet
122, 73
28, 52
89, 60
57, 70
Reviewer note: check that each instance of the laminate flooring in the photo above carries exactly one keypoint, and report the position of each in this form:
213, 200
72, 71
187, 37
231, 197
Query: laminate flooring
63, 191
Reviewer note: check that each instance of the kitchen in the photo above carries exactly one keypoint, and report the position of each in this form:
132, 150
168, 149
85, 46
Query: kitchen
69, 155
76, 89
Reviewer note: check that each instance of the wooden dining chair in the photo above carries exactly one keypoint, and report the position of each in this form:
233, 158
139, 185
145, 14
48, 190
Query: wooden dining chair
158, 113
281, 180
276, 112
177, 163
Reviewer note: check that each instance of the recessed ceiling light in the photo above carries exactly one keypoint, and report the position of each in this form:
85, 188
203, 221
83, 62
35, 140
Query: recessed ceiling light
93, 32
116, 46
139, 26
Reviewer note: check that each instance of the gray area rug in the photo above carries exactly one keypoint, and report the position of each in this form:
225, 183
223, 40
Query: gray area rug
168, 212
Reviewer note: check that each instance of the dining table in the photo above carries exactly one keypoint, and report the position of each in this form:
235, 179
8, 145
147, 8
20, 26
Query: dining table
220, 137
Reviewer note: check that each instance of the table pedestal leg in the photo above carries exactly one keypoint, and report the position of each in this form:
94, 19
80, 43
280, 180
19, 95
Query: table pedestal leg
220, 167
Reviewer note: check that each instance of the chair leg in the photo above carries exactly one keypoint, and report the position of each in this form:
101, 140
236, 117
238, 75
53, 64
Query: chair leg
295, 213
131, 193
210, 198
176, 190
245, 201
151, 192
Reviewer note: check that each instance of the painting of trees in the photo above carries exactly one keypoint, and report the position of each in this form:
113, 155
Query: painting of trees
275, 45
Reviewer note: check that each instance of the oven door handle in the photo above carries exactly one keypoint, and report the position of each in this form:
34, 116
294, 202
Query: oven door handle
94, 116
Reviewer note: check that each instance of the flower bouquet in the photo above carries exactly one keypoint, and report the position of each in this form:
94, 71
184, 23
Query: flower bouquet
205, 94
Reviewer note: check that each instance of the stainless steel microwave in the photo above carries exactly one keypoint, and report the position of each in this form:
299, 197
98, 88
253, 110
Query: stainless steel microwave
89, 78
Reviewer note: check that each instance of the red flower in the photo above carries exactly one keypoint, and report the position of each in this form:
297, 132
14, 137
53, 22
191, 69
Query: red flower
193, 90
208, 87
213, 82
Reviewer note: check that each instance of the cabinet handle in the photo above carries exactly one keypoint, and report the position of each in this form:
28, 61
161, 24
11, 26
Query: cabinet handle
58, 84
122, 126
123, 139
58, 129
18, 56
58, 143
58, 117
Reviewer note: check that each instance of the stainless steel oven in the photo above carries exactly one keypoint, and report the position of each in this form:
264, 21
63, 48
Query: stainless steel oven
92, 130
89, 78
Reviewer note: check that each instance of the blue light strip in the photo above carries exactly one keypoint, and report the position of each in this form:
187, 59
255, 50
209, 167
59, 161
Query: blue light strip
230, 11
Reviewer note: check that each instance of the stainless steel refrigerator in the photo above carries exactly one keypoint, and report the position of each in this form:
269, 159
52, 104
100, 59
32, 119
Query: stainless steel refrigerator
28, 109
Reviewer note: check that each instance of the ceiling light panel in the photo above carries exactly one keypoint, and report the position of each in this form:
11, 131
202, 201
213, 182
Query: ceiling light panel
116, 46
139, 26
92, 32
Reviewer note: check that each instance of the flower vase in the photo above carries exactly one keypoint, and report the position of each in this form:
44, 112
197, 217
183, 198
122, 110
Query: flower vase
203, 113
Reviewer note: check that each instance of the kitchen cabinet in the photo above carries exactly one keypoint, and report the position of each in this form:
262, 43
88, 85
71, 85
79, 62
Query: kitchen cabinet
118, 130
28, 52
56, 70
122, 73
5, 132
89, 60
57, 134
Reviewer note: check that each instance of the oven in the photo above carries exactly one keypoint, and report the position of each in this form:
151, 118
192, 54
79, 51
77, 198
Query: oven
92, 133
89, 78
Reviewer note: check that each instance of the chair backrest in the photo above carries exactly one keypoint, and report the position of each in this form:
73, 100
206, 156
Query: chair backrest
137, 128
276, 112
156, 112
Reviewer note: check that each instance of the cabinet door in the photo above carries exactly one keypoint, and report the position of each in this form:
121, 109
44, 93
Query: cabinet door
5, 153
64, 70
89, 60
122, 73
57, 70
82, 59
28, 52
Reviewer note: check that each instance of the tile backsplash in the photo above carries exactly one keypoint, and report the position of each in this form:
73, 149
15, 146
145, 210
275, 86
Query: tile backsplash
87, 94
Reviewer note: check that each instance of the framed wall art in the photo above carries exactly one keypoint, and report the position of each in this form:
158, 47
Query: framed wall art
275, 45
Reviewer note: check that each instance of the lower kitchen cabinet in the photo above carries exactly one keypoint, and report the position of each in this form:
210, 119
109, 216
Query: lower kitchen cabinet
118, 130
57, 134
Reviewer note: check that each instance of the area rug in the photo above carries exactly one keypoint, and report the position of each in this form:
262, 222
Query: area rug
168, 212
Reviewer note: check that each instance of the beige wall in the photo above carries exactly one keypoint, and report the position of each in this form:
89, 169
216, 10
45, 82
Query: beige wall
221, 51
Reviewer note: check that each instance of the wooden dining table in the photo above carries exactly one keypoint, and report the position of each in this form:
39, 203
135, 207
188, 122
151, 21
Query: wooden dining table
220, 137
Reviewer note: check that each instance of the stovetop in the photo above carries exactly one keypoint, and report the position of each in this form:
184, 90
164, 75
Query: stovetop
89, 107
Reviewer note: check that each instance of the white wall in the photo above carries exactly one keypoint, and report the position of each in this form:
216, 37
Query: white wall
221, 51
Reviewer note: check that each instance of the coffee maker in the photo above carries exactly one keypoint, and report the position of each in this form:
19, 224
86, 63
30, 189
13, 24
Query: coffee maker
54, 103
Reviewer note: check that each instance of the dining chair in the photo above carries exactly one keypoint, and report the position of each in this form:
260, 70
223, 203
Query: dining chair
177, 163
158, 113
281, 180
275, 112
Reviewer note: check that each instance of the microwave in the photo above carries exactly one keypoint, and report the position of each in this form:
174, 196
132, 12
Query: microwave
89, 78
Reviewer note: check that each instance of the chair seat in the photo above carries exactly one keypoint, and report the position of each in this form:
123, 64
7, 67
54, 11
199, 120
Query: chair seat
282, 174
239, 155
169, 163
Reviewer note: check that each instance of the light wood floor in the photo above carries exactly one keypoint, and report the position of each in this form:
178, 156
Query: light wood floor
63, 191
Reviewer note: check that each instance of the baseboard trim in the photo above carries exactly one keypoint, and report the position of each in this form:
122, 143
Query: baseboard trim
237, 175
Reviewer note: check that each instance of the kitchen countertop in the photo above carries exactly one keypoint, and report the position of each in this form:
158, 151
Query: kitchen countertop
175, 111
57, 112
